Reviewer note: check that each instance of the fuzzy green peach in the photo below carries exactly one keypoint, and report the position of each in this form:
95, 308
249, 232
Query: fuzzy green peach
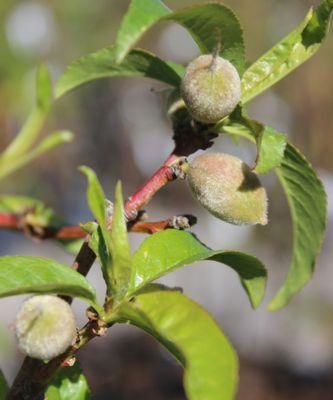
228, 189
210, 88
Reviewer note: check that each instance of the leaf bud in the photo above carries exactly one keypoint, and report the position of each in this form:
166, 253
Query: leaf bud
45, 327
211, 88
228, 189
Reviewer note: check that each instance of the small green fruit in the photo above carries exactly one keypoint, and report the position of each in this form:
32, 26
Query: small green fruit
228, 189
45, 327
211, 88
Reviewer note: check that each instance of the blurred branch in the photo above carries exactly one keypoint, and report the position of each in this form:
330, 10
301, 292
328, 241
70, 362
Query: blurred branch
17, 222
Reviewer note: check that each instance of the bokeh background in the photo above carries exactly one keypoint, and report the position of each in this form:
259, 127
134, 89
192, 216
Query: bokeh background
121, 131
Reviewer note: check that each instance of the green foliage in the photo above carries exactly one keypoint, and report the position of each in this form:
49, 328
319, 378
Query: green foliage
20, 151
141, 15
287, 55
166, 251
307, 201
206, 23
3, 386
69, 384
192, 336
270, 144
101, 240
102, 64
25, 274
121, 255
179, 324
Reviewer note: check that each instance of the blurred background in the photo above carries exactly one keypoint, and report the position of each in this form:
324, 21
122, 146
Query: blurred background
121, 131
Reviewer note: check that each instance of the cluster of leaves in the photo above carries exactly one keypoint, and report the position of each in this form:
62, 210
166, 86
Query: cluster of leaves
174, 320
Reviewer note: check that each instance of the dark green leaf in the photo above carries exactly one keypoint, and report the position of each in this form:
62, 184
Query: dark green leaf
3, 386
192, 336
166, 251
205, 23
287, 55
141, 15
121, 255
102, 64
21, 275
307, 201
69, 384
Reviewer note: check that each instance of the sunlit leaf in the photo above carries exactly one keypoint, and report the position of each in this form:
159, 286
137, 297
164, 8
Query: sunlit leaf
192, 336
121, 255
207, 24
102, 64
270, 144
166, 251
307, 201
26, 274
288, 54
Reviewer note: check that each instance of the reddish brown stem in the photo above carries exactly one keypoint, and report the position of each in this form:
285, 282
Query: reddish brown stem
12, 221
166, 173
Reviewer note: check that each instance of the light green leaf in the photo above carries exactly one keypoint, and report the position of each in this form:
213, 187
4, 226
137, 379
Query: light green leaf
270, 144
287, 55
204, 22
96, 197
69, 384
100, 242
307, 201
192, 336
8, 166
121, 254
3, 386
31, 129
26, 274
43, 88
141, 15
102, 64
172, 249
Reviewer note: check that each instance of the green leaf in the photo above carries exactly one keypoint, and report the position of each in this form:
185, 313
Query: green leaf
141, 15
25, 274
204, 22
69, 384
3, 386
43, 88
31, 129
121, 254
192, 336
172, 249
101, 238
288, 54
96, 198
307, 201
102, 64
270, 144
8, 166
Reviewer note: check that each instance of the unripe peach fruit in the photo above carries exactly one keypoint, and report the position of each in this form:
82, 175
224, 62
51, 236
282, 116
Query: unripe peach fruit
45, 327
211, 88
228, 189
